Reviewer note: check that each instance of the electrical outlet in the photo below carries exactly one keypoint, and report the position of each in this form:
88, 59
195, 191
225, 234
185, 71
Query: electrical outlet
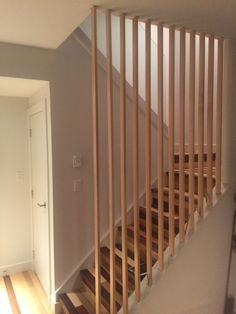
77, 185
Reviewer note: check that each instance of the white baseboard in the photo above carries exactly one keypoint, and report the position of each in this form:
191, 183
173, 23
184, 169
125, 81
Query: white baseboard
15, 268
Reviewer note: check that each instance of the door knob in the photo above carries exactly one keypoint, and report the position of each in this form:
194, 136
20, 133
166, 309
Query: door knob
42, 205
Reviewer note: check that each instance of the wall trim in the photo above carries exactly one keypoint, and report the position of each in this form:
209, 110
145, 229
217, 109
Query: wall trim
16, 268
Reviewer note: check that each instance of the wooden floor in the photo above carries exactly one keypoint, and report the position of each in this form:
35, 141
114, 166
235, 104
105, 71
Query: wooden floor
22, 293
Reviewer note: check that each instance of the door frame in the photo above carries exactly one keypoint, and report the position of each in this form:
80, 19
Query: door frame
35, 105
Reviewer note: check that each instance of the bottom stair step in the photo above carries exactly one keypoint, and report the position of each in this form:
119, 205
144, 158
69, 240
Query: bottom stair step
71, 304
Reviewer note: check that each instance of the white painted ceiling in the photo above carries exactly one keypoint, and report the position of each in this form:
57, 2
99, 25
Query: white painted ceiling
17, 87
47, 23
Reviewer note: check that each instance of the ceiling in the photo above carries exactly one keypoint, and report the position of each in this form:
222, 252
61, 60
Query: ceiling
17, 87
47, 23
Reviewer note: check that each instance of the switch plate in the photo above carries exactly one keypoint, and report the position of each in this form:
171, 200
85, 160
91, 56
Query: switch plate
76, 161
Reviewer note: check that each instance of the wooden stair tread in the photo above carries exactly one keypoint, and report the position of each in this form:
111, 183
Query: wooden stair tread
143, 250
176, 192
143, 234
142, 242
105, 263
88, 278
196, 174
166, 214
71, 304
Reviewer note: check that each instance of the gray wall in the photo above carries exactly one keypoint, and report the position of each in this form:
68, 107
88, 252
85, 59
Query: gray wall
68, 71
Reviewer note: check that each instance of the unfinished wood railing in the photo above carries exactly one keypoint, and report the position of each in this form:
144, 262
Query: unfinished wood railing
186, 153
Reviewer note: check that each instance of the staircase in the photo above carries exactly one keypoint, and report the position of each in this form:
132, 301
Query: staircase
83, 301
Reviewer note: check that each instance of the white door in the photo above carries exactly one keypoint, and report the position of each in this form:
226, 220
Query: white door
39, 186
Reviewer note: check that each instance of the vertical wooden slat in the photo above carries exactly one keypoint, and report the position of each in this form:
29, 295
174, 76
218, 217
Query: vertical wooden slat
210, 118
123, 163
171, 137
148, 148
95, 159
135, 158
201, 122
219, 115
160, 163
110, 163
182, 135
191, 127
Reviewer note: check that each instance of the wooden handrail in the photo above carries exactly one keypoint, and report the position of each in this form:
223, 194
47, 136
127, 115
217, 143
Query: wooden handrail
182, 134
201, 121
191, 126
171, 146
135, 155
160, 149
148, 148
219, 115
123, 163
110, 163
210, 118
95, 160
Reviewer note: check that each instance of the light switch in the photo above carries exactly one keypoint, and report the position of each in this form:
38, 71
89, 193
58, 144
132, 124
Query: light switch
77, 161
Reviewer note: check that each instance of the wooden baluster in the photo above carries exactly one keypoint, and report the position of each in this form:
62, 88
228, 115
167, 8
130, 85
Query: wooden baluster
210, 118
191, 128
182, 136
123, 163
201, 122
148, 149
219, 115
135, 147
95, 160
110, 163
171, 137
160, 163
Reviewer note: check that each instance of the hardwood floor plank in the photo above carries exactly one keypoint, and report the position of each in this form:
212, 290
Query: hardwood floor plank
11, 295
5, 306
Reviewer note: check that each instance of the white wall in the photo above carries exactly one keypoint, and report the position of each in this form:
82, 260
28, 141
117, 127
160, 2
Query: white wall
15, 214
86, 28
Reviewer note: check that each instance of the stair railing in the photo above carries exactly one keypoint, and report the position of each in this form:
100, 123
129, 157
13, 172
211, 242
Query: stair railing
197, 88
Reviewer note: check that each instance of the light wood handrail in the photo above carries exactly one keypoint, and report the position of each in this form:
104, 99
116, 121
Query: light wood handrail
123, 163
210, 118
148, 148
95, 160
219, 115
191, 127
201, 121
160, 149
182, 135
110, 163
171, 137
135, 155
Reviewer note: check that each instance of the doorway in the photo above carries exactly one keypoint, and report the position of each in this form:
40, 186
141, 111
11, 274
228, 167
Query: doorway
26, 233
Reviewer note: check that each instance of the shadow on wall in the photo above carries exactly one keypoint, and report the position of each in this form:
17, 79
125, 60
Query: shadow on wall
229, 305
